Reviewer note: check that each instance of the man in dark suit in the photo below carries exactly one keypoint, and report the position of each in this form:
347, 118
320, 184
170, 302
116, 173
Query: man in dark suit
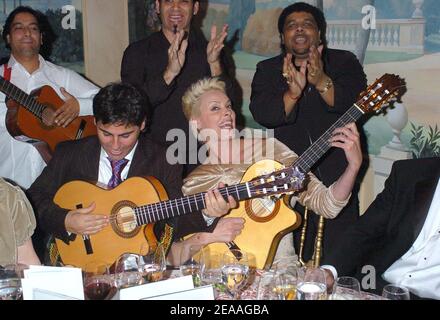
119, 151
399, 234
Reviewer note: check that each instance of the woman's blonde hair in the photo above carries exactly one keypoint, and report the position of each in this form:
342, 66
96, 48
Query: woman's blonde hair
190, 100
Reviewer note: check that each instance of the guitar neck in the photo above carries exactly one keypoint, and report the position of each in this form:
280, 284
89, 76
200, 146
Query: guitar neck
22, 98
181, 206
322, 145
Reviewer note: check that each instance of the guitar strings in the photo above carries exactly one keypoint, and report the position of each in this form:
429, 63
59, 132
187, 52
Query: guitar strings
152, 210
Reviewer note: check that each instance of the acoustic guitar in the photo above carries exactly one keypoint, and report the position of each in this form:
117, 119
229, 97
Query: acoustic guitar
268, 219
133, 207
24, 118
137, 203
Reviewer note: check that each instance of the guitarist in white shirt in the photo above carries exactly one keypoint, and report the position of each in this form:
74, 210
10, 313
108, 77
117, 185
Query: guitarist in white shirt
24, 33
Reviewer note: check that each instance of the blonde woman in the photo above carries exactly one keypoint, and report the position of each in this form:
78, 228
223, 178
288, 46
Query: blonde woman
210, 113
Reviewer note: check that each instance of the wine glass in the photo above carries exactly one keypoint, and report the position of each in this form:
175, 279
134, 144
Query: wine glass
267, 287
285, 285
311, 284
152, 263
192, 263
98, 283
395, 292
235, 271
212, 268
346, 288
127, 271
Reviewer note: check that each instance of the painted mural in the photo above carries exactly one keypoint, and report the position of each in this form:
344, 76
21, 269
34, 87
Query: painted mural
405, 41
67, 41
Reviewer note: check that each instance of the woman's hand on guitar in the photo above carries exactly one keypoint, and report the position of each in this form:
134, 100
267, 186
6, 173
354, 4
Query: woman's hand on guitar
80, 221
68, 111
226, 230
347, 138
216, 205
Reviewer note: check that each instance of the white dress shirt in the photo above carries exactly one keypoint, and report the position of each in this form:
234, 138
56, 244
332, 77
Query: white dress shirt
419, 268
19, 160
105, 168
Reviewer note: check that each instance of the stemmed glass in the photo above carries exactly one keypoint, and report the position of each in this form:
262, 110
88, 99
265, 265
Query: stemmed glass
127, 271
98, 283
152, 263
311, 284
395, 292
212, 268
235, 271
346, 288
192, 263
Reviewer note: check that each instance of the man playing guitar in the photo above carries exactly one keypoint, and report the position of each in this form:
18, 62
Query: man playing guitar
25, 33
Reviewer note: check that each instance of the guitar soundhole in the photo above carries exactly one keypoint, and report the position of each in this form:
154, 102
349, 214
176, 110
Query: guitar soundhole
123, 219
262, 209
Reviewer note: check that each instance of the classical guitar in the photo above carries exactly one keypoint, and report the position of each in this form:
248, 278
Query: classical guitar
24, 118
268, 219
137, 203
133, 207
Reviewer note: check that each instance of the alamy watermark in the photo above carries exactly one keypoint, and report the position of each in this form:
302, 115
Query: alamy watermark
230, 145
69, 20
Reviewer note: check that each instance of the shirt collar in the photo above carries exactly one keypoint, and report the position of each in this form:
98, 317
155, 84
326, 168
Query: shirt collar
129, 156
12, 62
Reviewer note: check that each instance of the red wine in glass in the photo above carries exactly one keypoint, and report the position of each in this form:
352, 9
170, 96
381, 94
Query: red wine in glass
98, 290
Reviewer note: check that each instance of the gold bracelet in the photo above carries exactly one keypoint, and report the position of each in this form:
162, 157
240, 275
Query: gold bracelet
328, 85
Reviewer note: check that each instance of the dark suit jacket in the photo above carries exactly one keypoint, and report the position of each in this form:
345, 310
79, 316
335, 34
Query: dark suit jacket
391, 224
79, 160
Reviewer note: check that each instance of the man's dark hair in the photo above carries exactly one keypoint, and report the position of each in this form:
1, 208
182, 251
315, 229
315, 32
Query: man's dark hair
46, 30
120, 103
317, 14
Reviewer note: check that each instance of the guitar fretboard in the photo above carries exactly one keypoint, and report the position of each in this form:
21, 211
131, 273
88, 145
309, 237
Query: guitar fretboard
322, 145
22, 98
176, 207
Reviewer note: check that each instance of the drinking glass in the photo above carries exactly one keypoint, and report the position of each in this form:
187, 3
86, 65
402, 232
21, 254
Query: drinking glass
395, 292
152, 263
311, 284
346, 288
98, 283
267, 287
212, 273
235, 271
127, 271
192, 263
285, 285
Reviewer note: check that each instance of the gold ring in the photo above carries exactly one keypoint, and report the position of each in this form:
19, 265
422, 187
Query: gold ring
313, 74
285, 75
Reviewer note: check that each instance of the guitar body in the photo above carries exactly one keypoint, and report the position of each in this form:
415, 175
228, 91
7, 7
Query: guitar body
266, 221
120, 236
21, 122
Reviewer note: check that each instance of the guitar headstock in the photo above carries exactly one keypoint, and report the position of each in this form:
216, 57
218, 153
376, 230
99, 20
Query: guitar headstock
378, 94
278, 182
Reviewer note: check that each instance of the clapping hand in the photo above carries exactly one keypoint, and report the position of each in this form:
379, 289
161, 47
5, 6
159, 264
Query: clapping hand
216, 44
176, 56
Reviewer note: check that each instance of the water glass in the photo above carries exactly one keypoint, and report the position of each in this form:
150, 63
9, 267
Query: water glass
212, 273
127, 271
346, 288
266, 287
395, 292
311, 284
10, 289
235, 271
192, 263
